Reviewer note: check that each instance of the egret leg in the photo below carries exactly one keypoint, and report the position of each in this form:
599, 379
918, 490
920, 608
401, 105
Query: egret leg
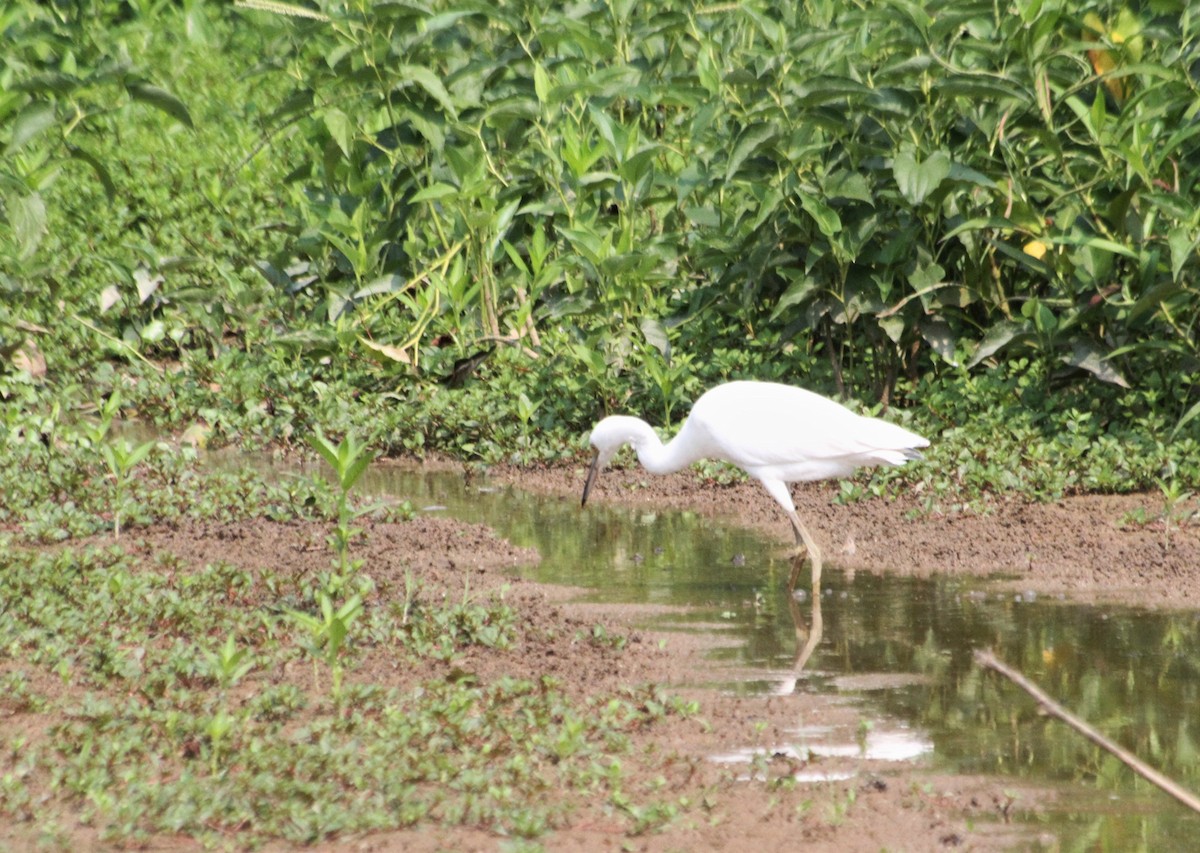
803, 537
806, 639
778, 489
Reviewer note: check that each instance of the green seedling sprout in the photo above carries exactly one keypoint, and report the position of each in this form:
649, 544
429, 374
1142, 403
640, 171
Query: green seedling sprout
218, 728
349, 460
328, 632
1173, 494
120, 455
229, 664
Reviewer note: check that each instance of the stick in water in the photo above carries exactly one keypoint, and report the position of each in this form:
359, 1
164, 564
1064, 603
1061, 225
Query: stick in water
986, 658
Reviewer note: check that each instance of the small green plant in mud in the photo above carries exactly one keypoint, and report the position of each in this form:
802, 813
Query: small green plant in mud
1173, 494
229, 664
328, 632
602, 637
648, 817
120, 455
329, 629
439, 629
840, 808
1174, 513
862, 733
349, 460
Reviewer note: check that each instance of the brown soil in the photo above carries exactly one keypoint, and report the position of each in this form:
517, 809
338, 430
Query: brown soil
1079, 546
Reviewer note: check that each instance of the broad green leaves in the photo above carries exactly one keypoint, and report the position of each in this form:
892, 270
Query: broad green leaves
681, 170
27, 218
37, 117
919, 180
161, 99
885, 189
59, 82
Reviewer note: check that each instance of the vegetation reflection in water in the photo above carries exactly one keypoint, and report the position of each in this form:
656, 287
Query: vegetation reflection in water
1133, 673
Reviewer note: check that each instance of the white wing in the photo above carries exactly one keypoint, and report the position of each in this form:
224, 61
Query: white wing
797, 434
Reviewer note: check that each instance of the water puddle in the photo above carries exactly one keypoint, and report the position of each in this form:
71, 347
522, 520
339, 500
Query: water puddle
901, 647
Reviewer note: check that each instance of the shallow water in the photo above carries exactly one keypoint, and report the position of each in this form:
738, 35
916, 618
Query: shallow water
903, 646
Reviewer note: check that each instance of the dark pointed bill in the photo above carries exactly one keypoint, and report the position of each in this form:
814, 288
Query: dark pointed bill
591, 477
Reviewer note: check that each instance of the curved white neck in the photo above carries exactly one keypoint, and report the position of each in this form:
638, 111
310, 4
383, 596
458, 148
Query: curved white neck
659, 458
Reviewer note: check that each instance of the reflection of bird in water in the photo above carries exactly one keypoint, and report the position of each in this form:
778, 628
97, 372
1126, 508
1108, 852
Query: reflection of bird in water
806, 643
777, 434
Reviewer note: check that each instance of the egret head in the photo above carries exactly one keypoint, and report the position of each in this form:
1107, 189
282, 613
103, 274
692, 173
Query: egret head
609, 436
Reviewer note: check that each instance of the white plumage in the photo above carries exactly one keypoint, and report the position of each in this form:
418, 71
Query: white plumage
777, 434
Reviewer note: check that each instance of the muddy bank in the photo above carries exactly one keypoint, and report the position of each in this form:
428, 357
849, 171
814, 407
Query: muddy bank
846, 804
1089, 548
1110, 548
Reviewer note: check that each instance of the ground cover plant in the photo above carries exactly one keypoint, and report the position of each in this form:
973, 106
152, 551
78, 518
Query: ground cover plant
150, 691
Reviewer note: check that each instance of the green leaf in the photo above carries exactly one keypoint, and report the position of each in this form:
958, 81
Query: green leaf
958, 172
27, 218
137, 454
102, 173
823, 90
153, 332
1152, 299
940, 337
434, 191
848, 185
656, 336
983, 223
161, 99
825, 216
1182, 244
1043, 318
1098, 243
797, 293
1089, 357
432, 85
541, 83
357, 467
349, 611
31, 121
918, 180
443, 21
983, 88
340, 129
893, 327
1189, 415
703, 217
514, 256
609, 132
927, 276
325, 447
751, 142
998, 337
383, 285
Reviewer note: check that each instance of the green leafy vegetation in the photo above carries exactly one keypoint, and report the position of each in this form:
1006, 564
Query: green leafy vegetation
173, 711
466, 229
186, 756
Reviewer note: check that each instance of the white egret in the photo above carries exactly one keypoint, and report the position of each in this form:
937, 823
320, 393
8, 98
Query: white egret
778, 434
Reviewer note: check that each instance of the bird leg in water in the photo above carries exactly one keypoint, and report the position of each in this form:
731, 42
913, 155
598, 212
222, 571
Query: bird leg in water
814, 553
806, 640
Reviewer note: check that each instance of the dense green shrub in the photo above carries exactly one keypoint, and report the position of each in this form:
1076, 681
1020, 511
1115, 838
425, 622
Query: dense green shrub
885, 181
478, 226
